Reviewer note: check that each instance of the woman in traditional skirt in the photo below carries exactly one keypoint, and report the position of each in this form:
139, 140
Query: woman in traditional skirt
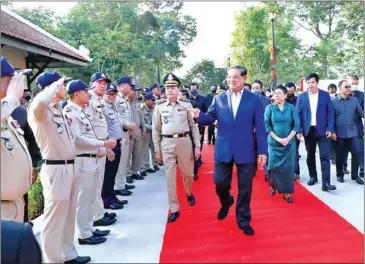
282, 123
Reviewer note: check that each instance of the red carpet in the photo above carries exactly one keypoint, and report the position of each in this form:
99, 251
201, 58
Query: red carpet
305, 231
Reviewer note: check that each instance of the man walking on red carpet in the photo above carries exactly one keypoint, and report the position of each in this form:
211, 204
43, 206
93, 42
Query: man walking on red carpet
239, 113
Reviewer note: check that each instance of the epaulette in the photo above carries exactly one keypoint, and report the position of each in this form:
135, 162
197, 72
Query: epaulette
69, 108
161, 101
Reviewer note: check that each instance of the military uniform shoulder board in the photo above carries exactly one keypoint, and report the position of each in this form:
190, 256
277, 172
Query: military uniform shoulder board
161, 101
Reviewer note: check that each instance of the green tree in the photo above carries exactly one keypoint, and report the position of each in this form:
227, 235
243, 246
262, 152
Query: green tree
205, 74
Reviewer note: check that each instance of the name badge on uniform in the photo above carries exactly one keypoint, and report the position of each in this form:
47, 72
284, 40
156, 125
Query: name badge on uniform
59, 129
8, 144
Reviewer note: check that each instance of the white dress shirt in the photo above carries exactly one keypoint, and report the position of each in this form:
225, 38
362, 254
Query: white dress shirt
235, 100
313, 101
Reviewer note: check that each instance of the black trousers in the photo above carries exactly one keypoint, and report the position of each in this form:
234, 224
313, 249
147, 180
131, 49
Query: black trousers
111, 169
196, 163
311, 142
342, 146
223, 180
211, 134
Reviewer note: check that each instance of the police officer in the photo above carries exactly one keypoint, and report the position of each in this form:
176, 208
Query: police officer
16, 162
59, 180
124, 108
95, 110
172, 121
87, 146
148, 108
115, 129
136, 138
156, 91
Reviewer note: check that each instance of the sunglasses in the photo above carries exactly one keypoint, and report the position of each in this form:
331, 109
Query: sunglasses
347, 87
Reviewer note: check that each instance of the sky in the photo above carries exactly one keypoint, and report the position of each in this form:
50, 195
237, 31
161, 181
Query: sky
215, 24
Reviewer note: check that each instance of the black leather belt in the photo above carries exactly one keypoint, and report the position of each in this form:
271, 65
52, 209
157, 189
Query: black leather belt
176, 135
125, 130
58, 162
86, 155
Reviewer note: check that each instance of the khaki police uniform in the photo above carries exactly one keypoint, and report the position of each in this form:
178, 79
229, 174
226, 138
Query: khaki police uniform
124, 109
16, 163
170, 132
60, 181
87, 146
136, 140
148, 147
95, 110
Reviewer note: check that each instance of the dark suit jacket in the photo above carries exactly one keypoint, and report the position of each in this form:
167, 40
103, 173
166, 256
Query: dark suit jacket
236, 136
20, 115
325, 114
19, 245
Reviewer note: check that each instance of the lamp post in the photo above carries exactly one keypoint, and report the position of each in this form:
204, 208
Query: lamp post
273, 52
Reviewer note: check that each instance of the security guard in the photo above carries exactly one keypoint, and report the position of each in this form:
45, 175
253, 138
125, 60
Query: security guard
148, 108
124, 108
87, 146
95, 110
59, 180
115, 129
172, 121
16, 163
136, 138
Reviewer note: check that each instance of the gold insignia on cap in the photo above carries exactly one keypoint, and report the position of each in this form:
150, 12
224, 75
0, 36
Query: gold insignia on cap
170, 77
170, 81
103, 75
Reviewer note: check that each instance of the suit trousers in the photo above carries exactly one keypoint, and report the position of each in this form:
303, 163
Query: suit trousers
145, 164
211, 134
223, 180
135, 155
60, 191
361, 155
12, 210
341, 146
311, 142
98, 205
120, 179
177, 149
111, 169
297, 167
88, 169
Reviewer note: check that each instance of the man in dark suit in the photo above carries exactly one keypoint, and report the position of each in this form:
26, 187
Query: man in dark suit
316, 115
211, 128
239, 113
19, 244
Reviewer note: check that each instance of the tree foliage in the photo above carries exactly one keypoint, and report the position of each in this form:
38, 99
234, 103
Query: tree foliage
124, 38
205, 74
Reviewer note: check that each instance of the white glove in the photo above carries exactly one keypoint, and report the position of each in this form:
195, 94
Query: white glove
17, 85
56, 86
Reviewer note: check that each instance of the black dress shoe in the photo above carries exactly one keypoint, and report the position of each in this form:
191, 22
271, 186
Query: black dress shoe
123, 192
289, 199
272, 191
266, 178
173, 217
312, 181
340, 179
129, 179
156, 168
93, 240
122, 202
110, 215
137, 177
358, 180
78, 260
150, 170
143, 173
129, 187
248, 230
114, 206
101, 233
196, 177
105, 221
191, 199
328, 187
223, 212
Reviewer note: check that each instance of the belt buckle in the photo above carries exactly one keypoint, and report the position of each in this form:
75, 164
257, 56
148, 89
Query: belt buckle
175, 136
65, 162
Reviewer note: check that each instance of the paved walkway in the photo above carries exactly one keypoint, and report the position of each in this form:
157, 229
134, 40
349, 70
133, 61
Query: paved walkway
138, 234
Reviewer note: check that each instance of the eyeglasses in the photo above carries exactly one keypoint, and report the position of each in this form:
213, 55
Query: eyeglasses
347, 87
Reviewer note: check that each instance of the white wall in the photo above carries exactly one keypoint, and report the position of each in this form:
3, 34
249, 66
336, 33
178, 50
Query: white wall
15, 56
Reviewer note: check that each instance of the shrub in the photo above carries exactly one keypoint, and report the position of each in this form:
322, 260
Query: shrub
35, 200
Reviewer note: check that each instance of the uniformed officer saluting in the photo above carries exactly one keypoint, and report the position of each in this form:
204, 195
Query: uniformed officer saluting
87, 146
171, 124
16, 163
59, 180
